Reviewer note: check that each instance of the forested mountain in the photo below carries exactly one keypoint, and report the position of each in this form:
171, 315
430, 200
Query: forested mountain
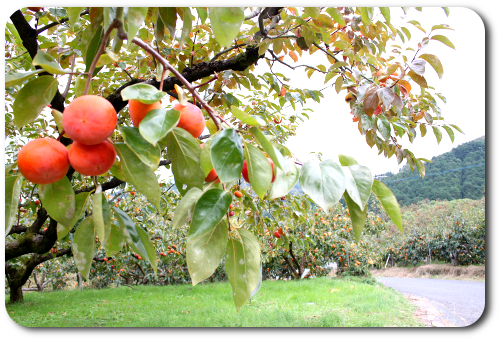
457, 174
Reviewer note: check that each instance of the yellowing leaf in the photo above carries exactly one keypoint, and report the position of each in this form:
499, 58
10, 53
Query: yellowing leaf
293, 55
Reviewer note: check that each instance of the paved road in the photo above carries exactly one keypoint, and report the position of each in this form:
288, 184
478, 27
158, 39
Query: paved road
461, 302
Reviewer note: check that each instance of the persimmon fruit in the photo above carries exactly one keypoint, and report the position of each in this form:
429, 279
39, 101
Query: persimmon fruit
89, 119
212, 175
139, 110
238, 194
191, 119
92, 160
35, 9
43, 161
244, 171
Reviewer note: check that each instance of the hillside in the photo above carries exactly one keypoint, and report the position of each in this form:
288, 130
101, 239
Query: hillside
457, 174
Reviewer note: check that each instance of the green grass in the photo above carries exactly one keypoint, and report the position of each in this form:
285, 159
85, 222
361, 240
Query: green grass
319, 302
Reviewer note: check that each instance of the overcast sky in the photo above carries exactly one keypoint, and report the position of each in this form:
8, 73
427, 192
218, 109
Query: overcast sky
330, 129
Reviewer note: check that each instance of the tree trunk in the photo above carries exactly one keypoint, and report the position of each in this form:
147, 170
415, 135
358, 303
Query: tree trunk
454, 259
16, 294
80, 283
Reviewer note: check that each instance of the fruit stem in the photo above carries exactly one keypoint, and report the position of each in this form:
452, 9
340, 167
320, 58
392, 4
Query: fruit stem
60, 135
187, 84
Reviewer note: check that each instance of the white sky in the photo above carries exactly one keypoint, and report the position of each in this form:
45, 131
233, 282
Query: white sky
330, 129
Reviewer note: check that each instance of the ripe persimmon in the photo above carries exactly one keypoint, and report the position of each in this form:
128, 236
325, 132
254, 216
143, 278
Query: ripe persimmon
191, 119
92, 160
139, 110
212, 175
43, 161
238, 194
89, 119
244, 171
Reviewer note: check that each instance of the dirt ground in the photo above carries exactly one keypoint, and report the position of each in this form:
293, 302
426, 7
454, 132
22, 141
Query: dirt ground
435, 271
429, 314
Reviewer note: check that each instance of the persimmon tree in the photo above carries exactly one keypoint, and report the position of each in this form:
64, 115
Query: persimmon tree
204, 58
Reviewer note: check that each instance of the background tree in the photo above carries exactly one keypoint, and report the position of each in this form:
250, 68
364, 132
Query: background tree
140, 54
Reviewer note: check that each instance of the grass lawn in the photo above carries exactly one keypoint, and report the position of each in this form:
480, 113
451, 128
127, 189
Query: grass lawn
319, 302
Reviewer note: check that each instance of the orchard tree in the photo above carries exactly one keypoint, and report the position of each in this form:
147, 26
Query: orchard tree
99, 98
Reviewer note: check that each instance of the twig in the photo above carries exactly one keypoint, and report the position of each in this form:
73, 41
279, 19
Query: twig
46, 27
254, 13
227, 50
68, 85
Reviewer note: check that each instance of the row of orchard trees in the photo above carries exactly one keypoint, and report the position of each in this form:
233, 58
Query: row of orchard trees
452, 232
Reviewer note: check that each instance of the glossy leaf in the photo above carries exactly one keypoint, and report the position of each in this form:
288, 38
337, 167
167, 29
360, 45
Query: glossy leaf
32, 98
13, 186
204, 250
336, 15
226, 22
242, 266
144, 93
389, 202
97, 216
418, 79
418, 66
81, 202
138, 174
444, 40
346, 160
169, 17
12, 79
84, 246
136, 238
185, 207
285, 180
205, 160
268, 147
259, 169
59, 200
136, 16
187, 25
145, 151
384, 127
324, 182
74, 15
434, 62
210, 209
358, 185
115, 240
246, 118
48, 63
366, 14
358, 216
227, 155
157, 124
437, 133
185, 153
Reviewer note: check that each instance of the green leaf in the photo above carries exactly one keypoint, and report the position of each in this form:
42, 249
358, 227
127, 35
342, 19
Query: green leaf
84, 247
358, 184
246, 118
92, 49
81, 202
268, 147
313, 12
59, 200
136, 238
12, 79
450, 133
446, 10
434, 62
202, 13
437, 133
138, 174
389, 202
74, 15
13, 186
115, 240
32, 98
338, 84
204, 250
48, 63
186, 27
346, 160
242, 266
227, 155
184, 210
147, 94
285, 180
358, 216
324, 182
457, 128
366, 14
210, 209
423, 130
157, 124
97, 216
169, 17
136, 16
145, 151
259, 169
226, 22
386, 12
384, 127
444, 40
185, 153
336, 15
